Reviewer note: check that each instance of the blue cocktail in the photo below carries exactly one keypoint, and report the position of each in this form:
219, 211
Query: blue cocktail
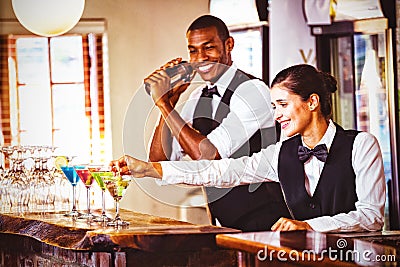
73, 178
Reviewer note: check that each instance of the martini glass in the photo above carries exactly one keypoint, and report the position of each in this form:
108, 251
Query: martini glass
100, 176
116, 186
86, 177
73, 178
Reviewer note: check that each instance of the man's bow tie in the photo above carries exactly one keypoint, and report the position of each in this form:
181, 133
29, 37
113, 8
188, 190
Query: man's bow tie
209, 92
320, 152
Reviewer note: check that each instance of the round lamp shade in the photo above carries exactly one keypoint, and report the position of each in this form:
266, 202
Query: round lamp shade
48, 17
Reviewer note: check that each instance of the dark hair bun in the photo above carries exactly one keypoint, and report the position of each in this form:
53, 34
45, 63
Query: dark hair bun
330, 82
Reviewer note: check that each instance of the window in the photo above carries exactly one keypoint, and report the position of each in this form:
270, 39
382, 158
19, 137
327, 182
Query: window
246, 21
54, 93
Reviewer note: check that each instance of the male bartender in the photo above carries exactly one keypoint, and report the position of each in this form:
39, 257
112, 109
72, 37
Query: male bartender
230, 117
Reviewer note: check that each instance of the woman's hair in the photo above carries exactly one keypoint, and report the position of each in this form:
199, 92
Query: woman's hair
304, 80
207, 21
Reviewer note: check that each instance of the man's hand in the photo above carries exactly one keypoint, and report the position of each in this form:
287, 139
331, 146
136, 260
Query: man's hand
285, 224
160, 85
196, 145
127, 165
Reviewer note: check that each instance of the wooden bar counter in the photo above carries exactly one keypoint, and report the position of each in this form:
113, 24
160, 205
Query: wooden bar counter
52, 239
309, 248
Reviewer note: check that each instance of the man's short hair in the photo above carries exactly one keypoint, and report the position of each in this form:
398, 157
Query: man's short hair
207, 21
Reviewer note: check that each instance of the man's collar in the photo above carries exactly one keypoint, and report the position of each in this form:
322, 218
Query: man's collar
225, 79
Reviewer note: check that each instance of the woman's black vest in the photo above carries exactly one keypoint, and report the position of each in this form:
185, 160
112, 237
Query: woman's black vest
336, 189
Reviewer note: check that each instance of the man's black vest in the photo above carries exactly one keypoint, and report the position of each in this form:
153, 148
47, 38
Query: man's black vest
254, 207
336, 189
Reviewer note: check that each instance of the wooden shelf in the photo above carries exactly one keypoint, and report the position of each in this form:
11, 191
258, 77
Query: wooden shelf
347, 27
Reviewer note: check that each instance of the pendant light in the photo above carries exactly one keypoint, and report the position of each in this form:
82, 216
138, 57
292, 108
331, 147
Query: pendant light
48, 17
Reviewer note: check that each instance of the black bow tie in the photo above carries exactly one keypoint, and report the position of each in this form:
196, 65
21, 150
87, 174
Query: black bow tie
209, 92
320, 152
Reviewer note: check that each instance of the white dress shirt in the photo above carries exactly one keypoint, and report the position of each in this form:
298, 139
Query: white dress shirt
250, 110
263, 166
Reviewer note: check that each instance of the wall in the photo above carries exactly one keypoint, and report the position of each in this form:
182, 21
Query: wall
296, 46
142, 35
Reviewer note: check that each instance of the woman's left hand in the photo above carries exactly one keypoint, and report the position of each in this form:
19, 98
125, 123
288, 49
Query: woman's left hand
285, 224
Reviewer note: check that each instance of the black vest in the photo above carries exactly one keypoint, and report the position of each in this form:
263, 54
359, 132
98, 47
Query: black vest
254, 207
336, 189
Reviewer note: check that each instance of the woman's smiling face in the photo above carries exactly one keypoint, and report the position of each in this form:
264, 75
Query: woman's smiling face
290, 111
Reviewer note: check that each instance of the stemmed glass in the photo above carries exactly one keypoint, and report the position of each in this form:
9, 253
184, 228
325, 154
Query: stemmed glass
72, 176
39, 183
62, 183
9, 174
86, 177
100, 175
19, 183
45, 186
117, 186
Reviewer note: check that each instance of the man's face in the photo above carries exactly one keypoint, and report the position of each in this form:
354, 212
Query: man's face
206, 49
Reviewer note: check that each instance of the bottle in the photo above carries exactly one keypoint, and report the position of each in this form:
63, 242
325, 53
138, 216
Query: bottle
181, 72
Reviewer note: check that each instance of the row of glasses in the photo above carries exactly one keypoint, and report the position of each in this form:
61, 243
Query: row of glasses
115, 184
22, 180
29, 179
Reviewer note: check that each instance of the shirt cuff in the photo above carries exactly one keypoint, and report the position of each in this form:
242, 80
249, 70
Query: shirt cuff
323, 224
171, 174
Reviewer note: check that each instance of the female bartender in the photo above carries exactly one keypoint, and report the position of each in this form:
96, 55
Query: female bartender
332, 179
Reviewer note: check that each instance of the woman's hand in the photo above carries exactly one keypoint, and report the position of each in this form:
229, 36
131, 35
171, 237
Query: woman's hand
127, 165
285, 224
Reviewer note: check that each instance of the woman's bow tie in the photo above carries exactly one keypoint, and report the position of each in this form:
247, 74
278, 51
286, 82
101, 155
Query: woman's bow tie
320, 152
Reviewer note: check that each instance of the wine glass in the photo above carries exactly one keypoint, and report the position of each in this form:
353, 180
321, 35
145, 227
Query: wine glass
19, 180
86, 177
100, 176
61, 182
72, 176
116, 186
9, 174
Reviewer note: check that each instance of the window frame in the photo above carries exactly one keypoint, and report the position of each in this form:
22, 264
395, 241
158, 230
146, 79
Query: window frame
101, 146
